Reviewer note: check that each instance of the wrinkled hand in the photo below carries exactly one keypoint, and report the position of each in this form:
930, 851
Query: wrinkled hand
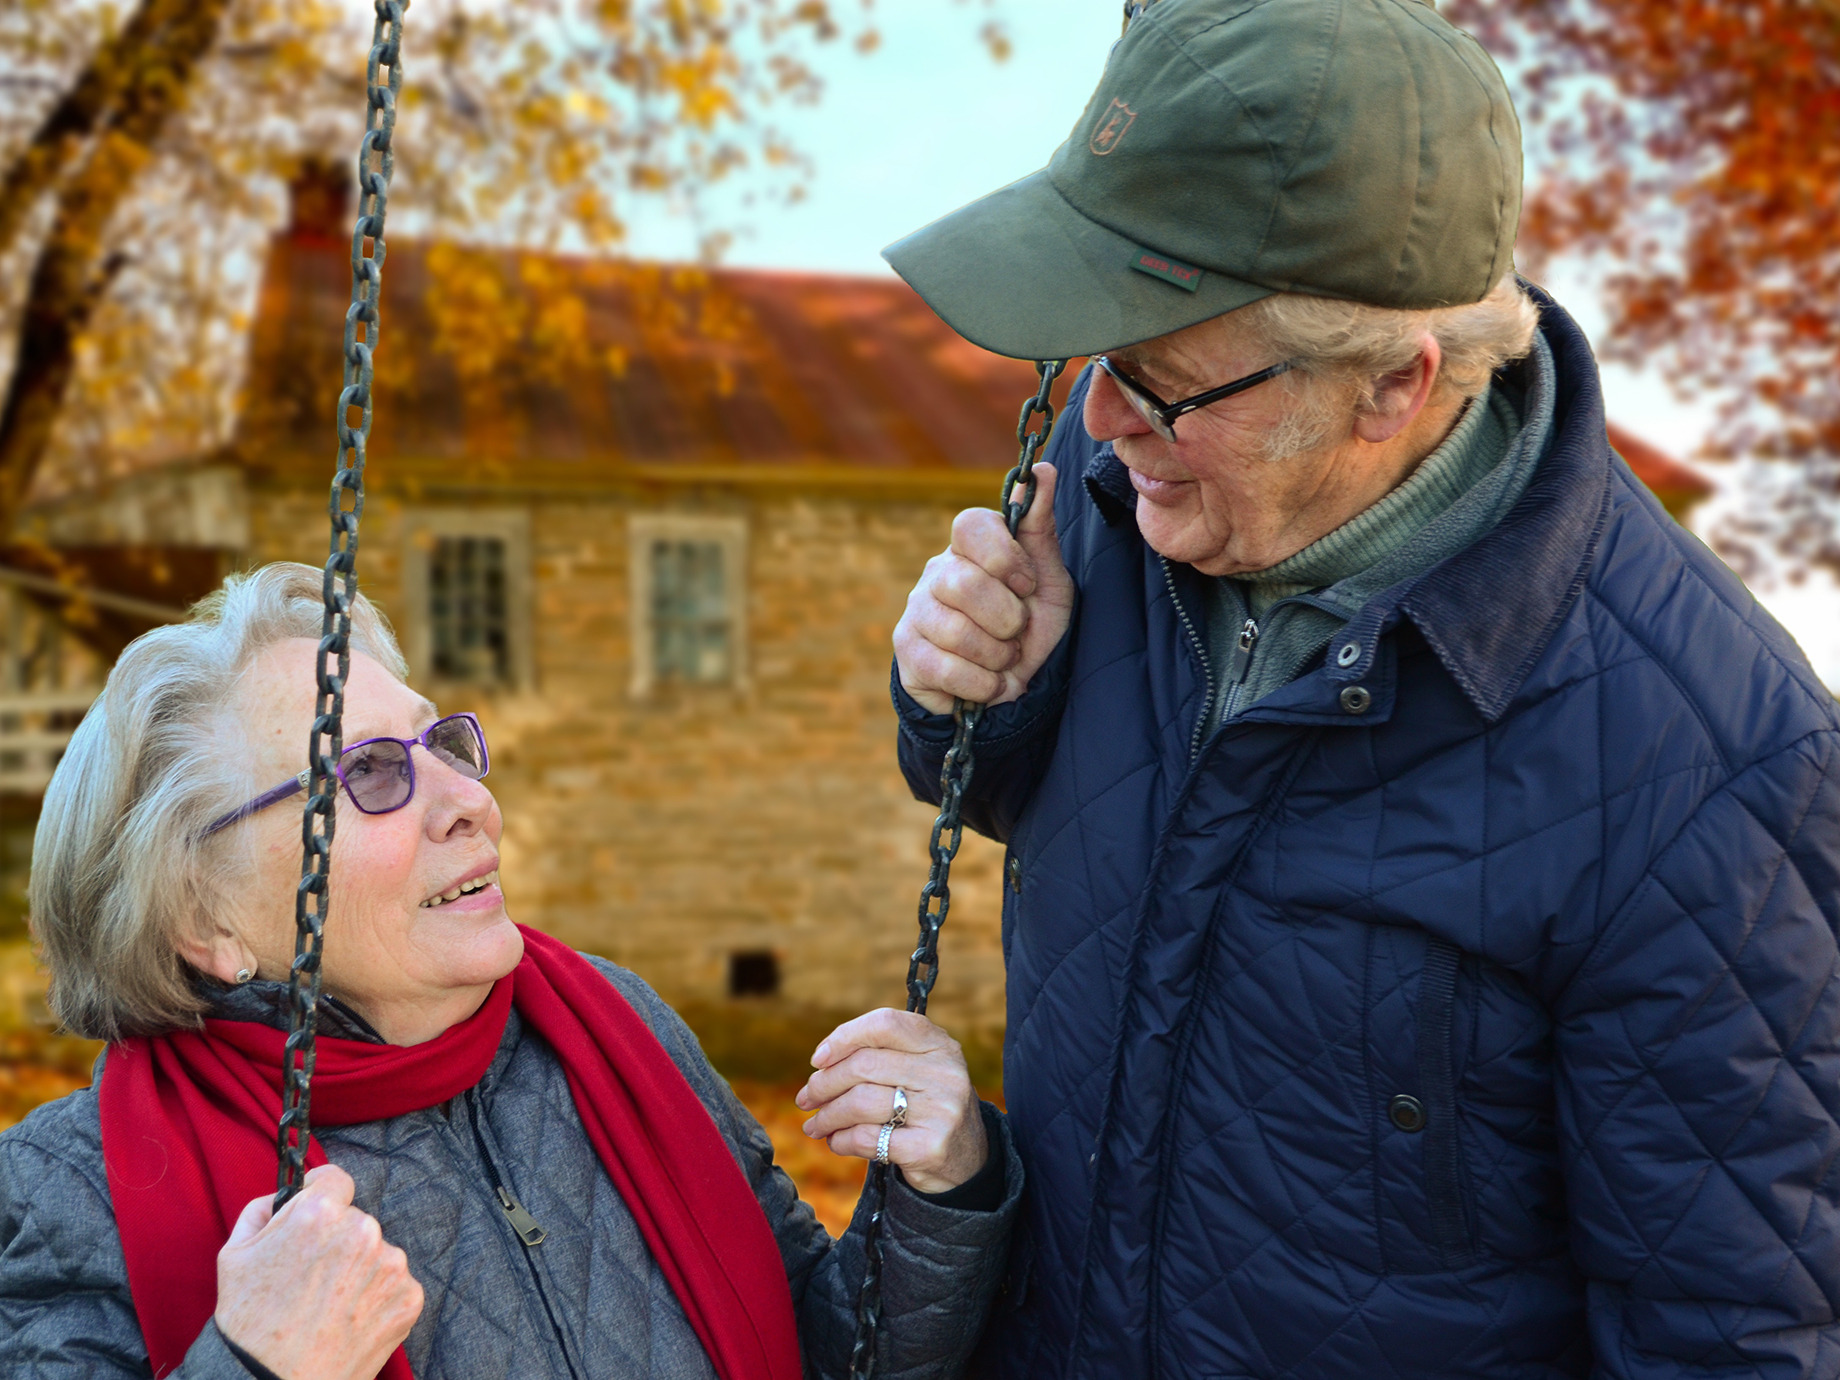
859, 1066
988, 610
314, 1292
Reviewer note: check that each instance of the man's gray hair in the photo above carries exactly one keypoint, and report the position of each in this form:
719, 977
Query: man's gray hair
122, 871
1341, 349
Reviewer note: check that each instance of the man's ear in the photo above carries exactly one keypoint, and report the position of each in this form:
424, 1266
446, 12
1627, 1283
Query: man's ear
216, 952
1400, 396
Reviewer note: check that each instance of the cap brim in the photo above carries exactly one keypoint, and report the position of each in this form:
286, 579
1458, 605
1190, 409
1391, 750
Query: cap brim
1022, 273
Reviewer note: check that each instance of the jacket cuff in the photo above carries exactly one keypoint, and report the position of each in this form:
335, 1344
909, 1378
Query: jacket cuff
1004, 726
215, 1357
983, 1191
917, 721
942, 1217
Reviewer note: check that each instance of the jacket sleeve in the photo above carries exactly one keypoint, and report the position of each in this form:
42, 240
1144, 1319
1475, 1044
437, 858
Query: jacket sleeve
65, 1309
1699, 1091
1010, 752
941, 1269
941, 1266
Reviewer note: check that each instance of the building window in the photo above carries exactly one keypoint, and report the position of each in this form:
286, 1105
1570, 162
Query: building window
689, 601
753, 974
691, 623
467, 622
466, 587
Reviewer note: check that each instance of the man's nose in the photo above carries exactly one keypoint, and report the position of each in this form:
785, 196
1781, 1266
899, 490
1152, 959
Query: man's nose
1107, 416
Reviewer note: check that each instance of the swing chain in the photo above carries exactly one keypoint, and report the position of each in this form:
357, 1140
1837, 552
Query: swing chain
948, 833
339, 588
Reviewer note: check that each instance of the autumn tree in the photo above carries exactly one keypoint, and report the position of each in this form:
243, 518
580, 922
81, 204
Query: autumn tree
1690, 149
143, 144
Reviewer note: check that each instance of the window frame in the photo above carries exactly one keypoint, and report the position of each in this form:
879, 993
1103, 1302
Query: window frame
727, 531
422, 527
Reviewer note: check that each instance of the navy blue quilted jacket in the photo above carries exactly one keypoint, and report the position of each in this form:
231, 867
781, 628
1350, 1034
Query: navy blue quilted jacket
1570, 884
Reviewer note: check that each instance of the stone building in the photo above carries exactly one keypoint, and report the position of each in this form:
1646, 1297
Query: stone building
655, 525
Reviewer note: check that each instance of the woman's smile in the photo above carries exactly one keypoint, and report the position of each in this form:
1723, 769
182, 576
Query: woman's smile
477, 890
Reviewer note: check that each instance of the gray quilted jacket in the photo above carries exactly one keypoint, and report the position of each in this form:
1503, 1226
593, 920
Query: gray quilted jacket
588, 1302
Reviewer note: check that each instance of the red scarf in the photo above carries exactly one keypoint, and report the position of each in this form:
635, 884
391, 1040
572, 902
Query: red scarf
188, 1134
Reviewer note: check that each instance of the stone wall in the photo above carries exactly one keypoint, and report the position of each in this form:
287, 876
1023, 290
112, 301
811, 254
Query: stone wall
671, 831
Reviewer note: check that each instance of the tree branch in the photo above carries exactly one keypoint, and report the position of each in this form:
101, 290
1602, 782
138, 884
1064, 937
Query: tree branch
132, 95
63, 132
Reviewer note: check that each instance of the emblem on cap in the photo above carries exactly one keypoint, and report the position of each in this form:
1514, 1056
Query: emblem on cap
1111, 128
1185, 276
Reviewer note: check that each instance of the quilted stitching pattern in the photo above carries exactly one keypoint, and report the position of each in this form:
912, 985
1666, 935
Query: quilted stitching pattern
1214, 977
65, 1309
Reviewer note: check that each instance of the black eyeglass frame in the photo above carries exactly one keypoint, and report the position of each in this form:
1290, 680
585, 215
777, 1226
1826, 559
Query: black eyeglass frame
1162, 415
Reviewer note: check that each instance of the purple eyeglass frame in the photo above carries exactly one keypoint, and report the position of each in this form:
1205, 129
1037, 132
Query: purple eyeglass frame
295, 784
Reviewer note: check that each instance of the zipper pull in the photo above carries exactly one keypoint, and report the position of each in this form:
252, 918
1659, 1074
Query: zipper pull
521, 1221
1242, 653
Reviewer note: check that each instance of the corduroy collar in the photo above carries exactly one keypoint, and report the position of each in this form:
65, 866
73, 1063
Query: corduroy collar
1490, 611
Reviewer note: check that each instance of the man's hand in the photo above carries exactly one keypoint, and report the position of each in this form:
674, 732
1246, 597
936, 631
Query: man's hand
988, 610
862, 1062
315, 1290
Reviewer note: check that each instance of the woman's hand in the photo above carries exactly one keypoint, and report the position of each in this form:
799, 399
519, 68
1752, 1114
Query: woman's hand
315, 1290
862, 1062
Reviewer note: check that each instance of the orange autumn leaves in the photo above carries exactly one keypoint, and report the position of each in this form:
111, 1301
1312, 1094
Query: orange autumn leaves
1693, 147
143, 144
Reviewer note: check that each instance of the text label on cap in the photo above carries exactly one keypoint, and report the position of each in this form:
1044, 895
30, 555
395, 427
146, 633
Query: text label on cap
1185, 276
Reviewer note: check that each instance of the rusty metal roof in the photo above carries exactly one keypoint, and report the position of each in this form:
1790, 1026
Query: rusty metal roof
525, 367
1677, 486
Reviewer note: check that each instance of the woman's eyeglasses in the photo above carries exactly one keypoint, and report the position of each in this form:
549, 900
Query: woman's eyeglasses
1161, 415
379, 773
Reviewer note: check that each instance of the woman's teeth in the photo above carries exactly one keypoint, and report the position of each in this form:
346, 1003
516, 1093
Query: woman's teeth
464, 889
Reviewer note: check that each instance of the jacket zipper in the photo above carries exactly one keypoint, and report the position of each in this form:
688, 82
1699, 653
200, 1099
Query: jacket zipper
527, 1228
1207, 667
1242, 656
1235, 697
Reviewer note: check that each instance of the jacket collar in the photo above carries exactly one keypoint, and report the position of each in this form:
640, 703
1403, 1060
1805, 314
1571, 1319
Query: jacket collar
1490, 611
265, 1003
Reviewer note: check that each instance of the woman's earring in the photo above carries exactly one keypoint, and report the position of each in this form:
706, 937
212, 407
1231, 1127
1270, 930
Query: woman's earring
243, 975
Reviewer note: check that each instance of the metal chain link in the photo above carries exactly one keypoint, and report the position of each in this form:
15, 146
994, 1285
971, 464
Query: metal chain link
376, 163
948, 833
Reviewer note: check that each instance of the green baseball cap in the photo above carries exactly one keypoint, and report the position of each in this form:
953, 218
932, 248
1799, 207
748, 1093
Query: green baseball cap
1358, 149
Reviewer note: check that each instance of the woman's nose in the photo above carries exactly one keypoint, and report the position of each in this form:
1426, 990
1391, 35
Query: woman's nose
457, 803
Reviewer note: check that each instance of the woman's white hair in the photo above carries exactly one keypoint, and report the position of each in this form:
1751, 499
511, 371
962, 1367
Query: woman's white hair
122, 871
1341, 349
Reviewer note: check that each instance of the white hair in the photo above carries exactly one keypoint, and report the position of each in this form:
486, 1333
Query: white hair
122, 870
1342, 349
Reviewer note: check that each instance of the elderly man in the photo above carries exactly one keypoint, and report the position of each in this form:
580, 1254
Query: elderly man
1424, 857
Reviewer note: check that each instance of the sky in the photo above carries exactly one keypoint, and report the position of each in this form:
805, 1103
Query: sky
930, 121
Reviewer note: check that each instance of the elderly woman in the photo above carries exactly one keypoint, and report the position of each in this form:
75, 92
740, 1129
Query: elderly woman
524, 1166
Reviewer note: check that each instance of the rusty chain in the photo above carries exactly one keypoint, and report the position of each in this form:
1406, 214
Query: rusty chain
376, 162
948, 833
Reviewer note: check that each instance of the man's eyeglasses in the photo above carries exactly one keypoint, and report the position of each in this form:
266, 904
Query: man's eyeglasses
1161, 415
379, 773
